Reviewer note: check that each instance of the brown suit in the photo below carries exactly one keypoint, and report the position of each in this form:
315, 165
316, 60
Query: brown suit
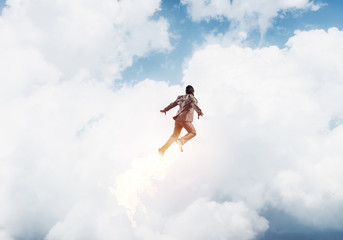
183, 119
188, 103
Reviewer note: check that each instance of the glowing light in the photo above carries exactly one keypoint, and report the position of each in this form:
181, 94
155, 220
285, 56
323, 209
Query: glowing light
131, 184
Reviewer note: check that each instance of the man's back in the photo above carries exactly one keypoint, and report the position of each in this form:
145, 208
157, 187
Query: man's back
187, 105
183, 119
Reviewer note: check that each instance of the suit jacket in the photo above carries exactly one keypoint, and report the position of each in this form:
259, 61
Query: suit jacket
187, 103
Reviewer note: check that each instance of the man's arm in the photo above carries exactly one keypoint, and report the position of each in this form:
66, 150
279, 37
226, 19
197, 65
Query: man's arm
170, 106
196, 107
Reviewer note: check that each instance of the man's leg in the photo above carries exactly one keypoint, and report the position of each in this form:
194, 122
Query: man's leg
176, 134
191, 132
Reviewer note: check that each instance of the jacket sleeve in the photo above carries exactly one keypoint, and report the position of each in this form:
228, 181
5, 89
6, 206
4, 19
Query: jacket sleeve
173, 104
195, 105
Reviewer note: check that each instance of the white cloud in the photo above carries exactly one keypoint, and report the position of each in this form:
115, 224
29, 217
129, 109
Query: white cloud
244, 15
212, 220
102, 37
66, 136
268, 114
65, 144
57, 59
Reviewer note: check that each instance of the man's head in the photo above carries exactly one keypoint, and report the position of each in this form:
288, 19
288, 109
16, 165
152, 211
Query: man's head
190, 90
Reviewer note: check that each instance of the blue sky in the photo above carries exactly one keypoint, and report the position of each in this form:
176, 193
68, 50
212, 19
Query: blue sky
2, 3
187, 35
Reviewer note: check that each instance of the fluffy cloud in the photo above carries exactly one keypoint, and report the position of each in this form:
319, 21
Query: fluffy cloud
212, 220
63, 147
72, 36
244, 15
57, 60
268, 124
267, 138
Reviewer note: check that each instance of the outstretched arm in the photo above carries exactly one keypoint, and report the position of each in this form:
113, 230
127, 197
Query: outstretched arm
197, 108
200, 114
170, 106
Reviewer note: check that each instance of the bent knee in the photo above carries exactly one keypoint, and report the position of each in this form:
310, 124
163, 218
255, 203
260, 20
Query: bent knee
174, 137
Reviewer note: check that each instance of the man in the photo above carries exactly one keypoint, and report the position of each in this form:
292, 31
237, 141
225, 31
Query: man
183, 119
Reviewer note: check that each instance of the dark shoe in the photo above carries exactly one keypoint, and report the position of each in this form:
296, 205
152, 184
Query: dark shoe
178, 141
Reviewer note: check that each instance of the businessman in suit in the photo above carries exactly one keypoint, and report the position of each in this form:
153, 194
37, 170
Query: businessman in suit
187, 104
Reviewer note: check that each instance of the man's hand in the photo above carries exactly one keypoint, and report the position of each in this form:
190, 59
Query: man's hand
200, 115
163, 111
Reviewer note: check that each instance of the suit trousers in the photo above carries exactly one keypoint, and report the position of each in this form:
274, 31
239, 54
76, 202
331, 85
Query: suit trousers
176, 133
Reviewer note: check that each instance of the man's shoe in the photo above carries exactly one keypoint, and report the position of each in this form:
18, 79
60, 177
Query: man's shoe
178, 141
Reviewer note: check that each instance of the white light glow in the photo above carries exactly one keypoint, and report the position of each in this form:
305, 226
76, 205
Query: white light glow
138, 180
